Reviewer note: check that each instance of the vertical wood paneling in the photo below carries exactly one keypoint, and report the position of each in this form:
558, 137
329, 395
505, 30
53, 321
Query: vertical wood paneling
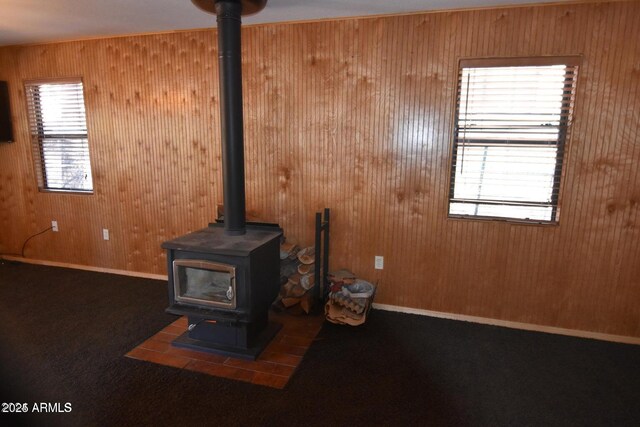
354, 115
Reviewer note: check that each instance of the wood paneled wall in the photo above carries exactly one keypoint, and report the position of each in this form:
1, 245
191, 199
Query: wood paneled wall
355, 115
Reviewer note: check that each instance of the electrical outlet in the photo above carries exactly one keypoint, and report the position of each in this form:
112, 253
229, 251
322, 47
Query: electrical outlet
379, 262
105, 233
54, 226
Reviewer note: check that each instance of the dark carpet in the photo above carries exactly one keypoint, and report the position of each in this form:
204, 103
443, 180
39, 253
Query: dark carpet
65, 333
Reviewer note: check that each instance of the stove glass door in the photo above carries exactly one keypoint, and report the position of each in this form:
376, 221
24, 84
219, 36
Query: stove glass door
204, 283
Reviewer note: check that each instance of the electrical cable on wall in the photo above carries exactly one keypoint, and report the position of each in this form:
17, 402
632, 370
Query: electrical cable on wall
24, 245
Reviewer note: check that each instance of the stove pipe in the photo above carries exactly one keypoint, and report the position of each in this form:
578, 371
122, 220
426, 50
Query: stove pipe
230, 70
231, 119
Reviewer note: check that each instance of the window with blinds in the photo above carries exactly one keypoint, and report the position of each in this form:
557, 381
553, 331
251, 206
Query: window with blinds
511, 128
58, 131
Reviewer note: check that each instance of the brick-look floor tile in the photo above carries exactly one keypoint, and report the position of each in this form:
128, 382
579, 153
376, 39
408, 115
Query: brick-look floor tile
270, 380
174, 330
164, 337
298, 341
281, 358
278, 347
155, 345
181, 323
274, 367
261, 366
160, 358
197, 355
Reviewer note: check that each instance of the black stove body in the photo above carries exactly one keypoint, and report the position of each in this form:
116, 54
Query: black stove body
225, 287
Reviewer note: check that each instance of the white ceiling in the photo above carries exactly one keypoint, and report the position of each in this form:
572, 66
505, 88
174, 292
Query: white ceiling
34, 21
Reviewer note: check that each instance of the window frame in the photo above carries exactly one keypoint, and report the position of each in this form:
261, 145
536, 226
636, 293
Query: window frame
563, 143
40, 171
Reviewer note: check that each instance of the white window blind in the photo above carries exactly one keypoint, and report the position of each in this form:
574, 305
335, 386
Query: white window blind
511, 129
58, 131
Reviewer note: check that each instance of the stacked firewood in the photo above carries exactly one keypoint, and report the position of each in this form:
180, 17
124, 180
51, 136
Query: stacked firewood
349, 299
296, 278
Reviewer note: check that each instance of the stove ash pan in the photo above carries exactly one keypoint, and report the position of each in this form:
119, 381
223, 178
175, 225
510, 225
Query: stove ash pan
228, 279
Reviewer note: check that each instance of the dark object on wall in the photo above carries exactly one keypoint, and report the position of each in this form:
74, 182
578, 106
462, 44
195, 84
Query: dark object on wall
321, 269
6, 128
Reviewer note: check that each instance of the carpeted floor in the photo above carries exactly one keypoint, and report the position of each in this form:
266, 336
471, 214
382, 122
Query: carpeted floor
65, 333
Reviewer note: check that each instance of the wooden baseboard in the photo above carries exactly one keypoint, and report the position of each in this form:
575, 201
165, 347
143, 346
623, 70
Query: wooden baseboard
86, 267
386, 307
513, 325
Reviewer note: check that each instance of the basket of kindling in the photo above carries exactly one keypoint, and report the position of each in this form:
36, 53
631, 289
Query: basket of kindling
349, 299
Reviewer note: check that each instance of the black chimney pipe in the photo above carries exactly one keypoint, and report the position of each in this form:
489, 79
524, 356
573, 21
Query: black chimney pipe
231, 117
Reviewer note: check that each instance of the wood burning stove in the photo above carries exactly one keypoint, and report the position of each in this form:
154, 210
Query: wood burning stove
225, 277
225, 286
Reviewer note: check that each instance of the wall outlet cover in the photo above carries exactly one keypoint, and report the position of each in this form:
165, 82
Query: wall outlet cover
379, 262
